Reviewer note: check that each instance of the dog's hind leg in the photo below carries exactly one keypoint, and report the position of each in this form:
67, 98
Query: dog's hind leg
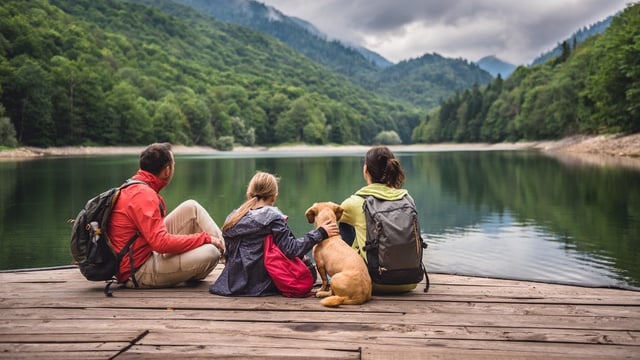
323, 276
325, 290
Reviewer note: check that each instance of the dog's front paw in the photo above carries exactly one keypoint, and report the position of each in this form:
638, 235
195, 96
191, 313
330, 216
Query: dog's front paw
322, 294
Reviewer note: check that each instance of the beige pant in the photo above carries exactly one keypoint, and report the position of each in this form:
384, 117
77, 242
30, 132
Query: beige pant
166, 270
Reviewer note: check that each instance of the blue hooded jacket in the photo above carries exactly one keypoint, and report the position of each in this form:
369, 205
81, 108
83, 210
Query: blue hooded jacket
244, 273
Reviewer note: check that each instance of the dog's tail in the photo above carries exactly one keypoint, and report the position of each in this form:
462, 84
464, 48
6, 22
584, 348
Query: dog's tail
333, 301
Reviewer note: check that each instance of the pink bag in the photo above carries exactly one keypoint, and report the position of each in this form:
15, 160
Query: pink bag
291, 276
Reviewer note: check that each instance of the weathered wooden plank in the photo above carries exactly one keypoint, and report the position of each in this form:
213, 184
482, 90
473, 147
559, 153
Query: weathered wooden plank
204, 299
460, 314
443, 282
340, 340
411, 353
440, 283
92, 290
77, 336
65, 290
235, 352
31, 331
385, 311
534, 321
64, 354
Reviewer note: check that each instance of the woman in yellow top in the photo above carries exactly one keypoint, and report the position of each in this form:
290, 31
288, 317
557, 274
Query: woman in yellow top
385, 177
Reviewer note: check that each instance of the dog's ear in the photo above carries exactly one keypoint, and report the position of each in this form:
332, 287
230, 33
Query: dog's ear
338, 210
311, 213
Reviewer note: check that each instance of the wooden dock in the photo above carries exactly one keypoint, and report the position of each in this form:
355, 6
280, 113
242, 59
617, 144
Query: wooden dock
58, 314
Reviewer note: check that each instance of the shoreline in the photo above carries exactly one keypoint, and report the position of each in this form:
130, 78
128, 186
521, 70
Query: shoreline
35, 152
593, 149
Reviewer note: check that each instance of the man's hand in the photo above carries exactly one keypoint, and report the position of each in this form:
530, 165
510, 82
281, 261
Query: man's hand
217, 242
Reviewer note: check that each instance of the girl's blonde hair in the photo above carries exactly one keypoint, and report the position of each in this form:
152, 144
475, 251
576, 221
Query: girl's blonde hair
261, 187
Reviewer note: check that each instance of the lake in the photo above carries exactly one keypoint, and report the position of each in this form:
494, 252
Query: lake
508, 214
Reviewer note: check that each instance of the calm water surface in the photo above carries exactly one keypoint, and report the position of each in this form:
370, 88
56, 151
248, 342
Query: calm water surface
512, 214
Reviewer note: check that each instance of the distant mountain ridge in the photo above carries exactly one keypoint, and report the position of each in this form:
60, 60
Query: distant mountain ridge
495, 66
577, 37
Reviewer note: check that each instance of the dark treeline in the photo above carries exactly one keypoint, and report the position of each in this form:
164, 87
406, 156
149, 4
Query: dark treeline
592, 88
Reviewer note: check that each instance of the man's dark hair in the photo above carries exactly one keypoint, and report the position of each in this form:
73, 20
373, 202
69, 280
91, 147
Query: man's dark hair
155, 157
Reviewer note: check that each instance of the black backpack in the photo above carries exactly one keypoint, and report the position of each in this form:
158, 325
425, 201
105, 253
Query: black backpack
91, 248
394, 246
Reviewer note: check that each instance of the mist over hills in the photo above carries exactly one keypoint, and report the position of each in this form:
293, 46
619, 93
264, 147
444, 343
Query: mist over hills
356, 62
363, 67
495, 66
577, 37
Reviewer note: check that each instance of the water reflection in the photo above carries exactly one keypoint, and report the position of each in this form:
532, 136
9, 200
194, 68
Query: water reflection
499, 246
509, 214
593, 210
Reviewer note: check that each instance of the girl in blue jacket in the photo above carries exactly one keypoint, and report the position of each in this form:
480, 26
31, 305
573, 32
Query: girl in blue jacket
244, 232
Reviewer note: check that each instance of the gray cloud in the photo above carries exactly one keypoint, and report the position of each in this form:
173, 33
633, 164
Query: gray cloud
515, 31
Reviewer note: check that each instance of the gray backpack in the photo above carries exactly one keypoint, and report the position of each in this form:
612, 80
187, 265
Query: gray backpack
394, 245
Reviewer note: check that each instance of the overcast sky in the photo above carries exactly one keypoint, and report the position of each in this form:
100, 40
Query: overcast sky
516, 31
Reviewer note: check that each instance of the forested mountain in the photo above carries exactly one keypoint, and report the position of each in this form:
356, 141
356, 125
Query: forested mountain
429, 79
83, 72
424, 81
298, 34
114, 72
578, 37
594, 88
495, 66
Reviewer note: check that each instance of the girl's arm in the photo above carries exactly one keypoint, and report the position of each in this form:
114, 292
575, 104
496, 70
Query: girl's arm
292, 246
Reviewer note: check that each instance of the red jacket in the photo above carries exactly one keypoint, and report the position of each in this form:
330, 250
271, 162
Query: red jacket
138, 210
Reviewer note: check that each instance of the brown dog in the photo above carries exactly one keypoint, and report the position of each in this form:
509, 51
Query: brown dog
350, 281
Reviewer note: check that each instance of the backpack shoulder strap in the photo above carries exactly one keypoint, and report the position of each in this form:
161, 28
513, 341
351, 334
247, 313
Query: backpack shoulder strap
131, 181
128, 248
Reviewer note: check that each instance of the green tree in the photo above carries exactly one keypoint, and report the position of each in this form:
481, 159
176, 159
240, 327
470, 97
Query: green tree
242, 134
387, 138
129, 121
30, 104
564, 56
7, 132
168, 121
224, 143
615, 87
66, 78
197, 127
341, 123
302, 122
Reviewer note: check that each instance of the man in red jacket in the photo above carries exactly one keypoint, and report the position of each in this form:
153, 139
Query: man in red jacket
185, 245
